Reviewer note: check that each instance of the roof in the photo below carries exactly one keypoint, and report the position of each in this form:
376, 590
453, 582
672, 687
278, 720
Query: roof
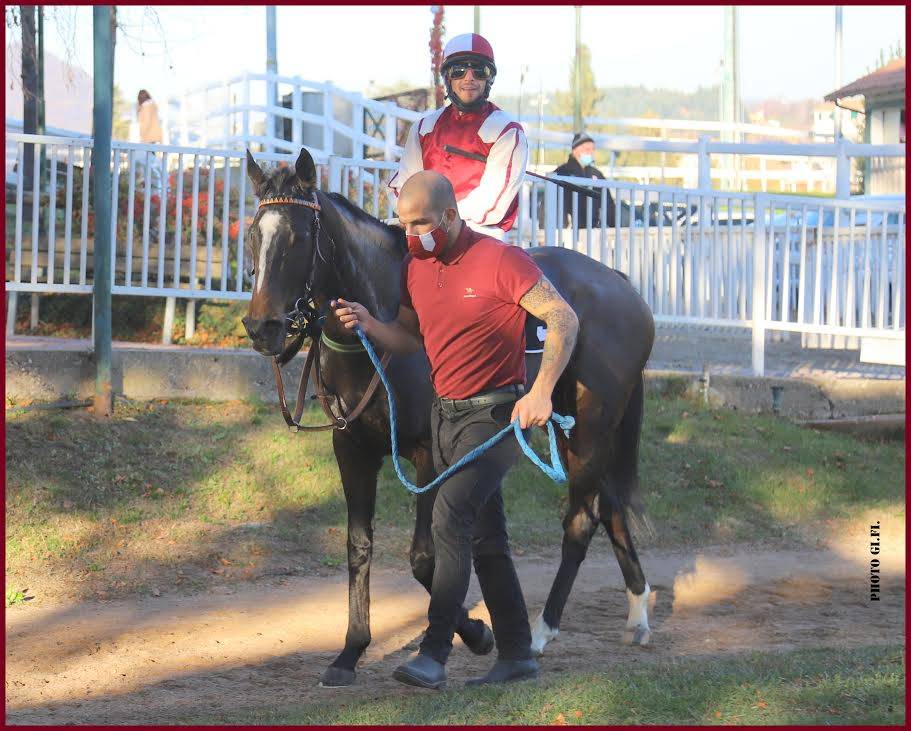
886, 80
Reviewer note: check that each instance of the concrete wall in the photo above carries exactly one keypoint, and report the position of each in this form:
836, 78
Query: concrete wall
51, 371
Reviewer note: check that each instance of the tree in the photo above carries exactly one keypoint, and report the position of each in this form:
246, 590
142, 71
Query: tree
885, 57
591, 95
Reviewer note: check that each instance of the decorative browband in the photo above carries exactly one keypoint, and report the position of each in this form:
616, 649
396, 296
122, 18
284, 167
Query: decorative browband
286, 200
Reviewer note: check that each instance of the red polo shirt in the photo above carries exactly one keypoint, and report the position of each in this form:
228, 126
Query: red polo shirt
467, 303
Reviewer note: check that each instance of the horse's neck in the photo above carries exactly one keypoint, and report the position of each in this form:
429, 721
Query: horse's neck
367, 262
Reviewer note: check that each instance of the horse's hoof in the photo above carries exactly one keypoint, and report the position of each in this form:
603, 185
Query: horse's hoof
541, 634
336, 677
477, 637
638, 635
484, 644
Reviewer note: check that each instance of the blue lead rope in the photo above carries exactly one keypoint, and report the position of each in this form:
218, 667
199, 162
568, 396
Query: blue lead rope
554, 470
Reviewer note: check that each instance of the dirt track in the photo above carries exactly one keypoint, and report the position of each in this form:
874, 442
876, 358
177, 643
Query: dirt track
265, 644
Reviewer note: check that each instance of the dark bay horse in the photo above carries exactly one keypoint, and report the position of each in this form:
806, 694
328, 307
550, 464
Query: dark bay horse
313, 246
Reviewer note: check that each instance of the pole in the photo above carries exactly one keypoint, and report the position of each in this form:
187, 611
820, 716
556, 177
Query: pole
577, 74
838, 68
29, 89
102, 113
272, 129
41, 123
477, 18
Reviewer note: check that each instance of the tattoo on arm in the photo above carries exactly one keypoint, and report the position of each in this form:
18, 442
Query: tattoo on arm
544, 302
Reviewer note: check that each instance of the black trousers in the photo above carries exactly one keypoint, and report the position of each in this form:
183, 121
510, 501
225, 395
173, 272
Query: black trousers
469, 522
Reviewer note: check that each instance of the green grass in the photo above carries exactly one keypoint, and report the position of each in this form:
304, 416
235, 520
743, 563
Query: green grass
168, 485
136, 319
826, 686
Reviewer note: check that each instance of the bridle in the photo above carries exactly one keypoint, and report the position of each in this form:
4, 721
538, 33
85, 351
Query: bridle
305, 320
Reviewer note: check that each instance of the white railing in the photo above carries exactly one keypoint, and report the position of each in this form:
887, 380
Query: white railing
237, 113
832, 268
827, 268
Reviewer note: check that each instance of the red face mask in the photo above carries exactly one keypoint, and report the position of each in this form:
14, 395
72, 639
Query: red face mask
426, 246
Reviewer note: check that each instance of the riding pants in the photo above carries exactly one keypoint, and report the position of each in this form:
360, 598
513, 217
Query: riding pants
469, 522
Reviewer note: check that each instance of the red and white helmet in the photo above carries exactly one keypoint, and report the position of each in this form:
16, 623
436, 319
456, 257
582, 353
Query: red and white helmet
467, 45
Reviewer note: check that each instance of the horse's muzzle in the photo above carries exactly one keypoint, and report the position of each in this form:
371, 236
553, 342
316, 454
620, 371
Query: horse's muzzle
268, 335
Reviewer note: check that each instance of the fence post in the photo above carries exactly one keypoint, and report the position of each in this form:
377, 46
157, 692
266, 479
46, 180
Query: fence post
357, 124
760, 204
328, 116
550, 214
842, 171
246, 112
389, 133
296, 106
335, 174
705, 164
12, 302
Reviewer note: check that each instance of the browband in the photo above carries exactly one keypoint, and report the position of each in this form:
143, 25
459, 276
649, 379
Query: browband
286, 200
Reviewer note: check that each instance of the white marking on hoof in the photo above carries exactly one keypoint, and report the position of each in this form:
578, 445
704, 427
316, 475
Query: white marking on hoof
541, 634
637, 631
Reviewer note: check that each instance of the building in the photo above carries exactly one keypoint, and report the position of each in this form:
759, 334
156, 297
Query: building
883, 106
823, 124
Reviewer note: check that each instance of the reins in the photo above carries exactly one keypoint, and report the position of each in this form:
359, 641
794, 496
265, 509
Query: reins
303, 321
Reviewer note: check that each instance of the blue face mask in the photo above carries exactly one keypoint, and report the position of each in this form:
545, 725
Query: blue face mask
586, 159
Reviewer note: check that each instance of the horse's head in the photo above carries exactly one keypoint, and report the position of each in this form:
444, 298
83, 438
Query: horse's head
282, 241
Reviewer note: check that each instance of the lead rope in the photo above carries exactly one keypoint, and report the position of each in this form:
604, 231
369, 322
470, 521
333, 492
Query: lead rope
554, 470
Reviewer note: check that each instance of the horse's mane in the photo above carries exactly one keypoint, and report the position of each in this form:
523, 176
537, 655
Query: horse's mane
393, 236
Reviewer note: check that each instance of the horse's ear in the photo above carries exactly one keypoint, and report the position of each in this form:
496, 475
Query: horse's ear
255, 172
305, 169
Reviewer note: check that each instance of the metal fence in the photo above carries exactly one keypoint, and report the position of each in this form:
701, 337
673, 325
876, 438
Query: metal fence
827, 268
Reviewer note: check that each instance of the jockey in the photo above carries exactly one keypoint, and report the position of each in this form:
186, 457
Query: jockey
487, 192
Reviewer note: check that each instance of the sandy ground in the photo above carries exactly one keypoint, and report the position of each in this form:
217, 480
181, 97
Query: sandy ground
264, 644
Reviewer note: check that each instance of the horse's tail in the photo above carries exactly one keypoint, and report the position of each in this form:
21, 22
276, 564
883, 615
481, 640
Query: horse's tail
623, 475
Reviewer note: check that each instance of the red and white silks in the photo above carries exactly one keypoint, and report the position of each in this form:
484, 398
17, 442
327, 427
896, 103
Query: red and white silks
487, 193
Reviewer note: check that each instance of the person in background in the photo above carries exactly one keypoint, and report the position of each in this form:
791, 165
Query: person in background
581, 164
149, 134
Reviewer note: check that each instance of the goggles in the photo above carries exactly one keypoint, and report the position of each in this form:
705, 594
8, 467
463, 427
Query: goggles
481, 70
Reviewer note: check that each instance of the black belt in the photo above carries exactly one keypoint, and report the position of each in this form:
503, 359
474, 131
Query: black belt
500, 395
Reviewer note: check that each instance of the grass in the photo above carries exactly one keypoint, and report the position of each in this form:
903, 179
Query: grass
826, 686
184, 494
136, 319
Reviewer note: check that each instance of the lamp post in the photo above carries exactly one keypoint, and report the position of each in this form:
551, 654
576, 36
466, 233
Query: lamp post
102, 114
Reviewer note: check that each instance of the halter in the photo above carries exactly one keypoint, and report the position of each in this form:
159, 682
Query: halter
304, 318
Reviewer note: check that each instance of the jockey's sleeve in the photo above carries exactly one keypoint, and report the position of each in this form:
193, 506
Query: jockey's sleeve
412, 160
487, 204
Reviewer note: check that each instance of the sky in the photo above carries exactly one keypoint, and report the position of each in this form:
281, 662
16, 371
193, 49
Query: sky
786, 52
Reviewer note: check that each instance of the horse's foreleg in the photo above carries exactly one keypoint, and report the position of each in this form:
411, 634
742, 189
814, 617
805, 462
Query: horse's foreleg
578, 528
476, 635
359, 468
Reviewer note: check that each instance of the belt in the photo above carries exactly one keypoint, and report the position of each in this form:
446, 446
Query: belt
500, 395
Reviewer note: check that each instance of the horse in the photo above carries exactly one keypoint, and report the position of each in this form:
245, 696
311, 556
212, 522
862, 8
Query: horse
309, 247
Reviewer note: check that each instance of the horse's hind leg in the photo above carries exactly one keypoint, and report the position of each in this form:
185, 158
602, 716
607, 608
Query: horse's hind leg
616, 492
359, 469
579, 526
476, 635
